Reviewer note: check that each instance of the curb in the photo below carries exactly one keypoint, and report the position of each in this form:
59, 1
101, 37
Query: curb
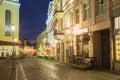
23, 72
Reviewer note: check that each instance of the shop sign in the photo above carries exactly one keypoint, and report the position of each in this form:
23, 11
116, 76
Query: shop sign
82, 31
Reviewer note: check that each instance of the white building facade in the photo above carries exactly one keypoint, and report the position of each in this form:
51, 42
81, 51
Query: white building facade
50, 31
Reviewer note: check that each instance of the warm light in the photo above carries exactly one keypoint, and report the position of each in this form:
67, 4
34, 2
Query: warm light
82, 31
71, 1
67, 31
13, 27
15, 40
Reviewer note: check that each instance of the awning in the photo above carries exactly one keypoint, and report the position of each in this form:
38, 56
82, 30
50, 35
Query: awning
8, 43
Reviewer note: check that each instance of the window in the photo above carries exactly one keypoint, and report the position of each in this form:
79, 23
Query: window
68, 19
7, 23
117, 23
99, 6
83, 47
77, 16
117, 37
87, 10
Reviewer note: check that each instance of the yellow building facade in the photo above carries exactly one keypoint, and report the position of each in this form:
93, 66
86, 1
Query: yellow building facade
9, 16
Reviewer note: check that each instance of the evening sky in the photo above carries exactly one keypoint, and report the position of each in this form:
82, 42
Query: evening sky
33, 15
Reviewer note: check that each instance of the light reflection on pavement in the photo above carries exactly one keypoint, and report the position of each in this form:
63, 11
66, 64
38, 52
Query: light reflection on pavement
51, 70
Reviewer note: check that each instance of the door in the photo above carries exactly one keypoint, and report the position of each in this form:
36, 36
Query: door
105, 47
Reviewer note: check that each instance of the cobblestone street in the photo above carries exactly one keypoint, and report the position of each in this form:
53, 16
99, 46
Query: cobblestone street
36, 69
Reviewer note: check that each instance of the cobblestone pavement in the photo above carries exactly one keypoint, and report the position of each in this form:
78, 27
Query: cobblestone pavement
51, 70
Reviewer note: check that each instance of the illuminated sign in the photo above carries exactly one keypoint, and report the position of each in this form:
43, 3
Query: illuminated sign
82, 31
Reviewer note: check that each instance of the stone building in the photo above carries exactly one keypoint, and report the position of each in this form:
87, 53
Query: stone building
9, 20
88, 28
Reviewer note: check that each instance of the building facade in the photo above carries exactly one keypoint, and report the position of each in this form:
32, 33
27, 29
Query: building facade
9, 16
41, 44
88, 28
115, 33
50, 31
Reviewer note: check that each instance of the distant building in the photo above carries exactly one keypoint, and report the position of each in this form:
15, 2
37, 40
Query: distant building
41, 44
27, 47
9, 16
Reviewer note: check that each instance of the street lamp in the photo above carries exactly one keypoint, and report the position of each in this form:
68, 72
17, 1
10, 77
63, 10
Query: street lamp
13, 53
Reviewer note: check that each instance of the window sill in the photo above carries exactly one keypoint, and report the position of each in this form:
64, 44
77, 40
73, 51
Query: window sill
99, 15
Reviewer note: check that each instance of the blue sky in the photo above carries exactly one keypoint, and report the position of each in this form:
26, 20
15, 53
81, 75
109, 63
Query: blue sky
33, 15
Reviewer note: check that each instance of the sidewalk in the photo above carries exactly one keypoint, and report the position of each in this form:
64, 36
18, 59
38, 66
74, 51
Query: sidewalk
8, 73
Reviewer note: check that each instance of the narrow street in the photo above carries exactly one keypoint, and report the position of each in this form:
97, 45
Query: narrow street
36, 69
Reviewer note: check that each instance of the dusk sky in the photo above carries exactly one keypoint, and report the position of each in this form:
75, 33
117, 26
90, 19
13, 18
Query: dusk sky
33, 15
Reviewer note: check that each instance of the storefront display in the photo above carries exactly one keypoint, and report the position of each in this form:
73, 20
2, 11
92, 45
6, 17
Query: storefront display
83, 46
117, 43
117, 38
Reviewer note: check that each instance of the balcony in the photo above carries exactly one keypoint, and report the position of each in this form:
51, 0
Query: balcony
59, 35
58, 12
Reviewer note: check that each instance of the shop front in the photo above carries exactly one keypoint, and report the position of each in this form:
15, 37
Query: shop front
83, 42
117, 43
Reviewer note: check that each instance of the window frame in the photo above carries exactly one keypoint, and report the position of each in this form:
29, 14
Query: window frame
7, 23
77, 15
87, 10
117, 37
99, 7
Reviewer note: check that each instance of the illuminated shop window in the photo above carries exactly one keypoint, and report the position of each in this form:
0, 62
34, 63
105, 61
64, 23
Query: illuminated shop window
117, 37
7, 23
83, 47
99, 7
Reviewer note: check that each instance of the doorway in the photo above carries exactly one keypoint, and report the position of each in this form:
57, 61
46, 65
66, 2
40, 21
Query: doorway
105, 49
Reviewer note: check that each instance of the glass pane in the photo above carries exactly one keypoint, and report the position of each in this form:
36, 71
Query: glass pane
117, 42
85, 50
87, 10
117, 37
7, 23
116, 23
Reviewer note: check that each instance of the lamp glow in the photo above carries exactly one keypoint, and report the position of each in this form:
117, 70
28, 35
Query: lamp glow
13, 27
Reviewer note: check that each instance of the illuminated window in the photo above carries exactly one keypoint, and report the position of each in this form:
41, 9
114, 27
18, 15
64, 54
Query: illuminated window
99, 7
117, 37
7, 23
87, 10
117, 23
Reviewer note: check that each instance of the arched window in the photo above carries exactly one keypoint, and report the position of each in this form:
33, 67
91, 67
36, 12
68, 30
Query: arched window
7, 22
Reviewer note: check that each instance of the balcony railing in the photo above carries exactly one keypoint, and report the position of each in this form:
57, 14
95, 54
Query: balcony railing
58, 34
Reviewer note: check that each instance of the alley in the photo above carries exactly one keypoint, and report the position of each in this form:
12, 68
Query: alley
36, 69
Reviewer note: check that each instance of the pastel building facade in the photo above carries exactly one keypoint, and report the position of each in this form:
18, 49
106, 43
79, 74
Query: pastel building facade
9, 16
